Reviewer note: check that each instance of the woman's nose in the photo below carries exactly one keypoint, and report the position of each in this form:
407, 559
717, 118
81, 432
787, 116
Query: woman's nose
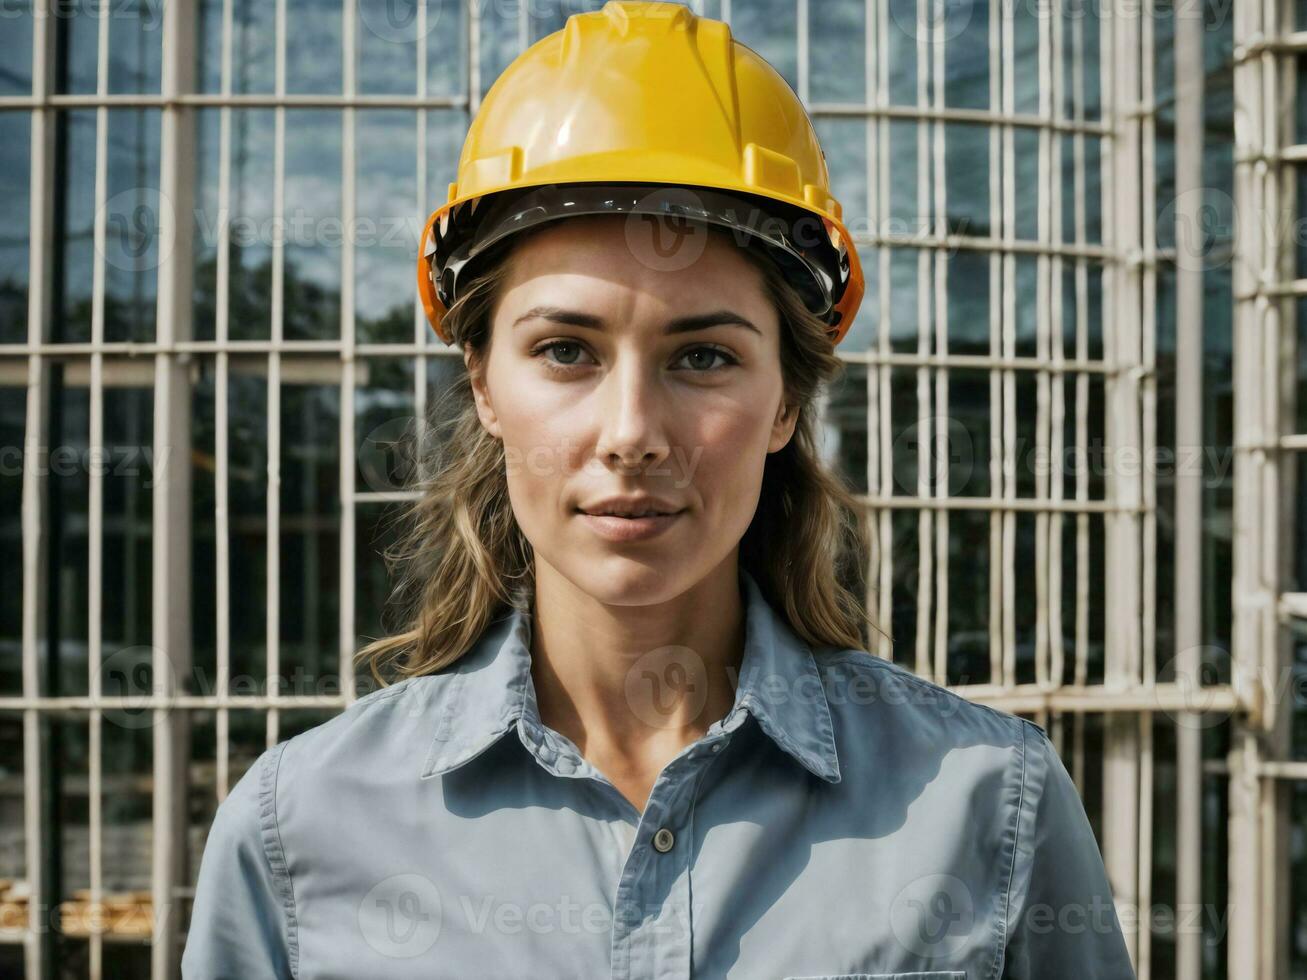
633, 417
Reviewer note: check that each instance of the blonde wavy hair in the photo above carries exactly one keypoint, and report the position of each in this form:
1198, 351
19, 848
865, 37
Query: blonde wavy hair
460, 560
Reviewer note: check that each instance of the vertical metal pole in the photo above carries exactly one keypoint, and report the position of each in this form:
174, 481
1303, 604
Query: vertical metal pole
172, 482
1122, 350
36, 801
1246, 877
1189, 83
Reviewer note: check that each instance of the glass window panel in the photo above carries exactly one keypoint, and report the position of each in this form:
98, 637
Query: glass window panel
1027, 309
770, 27
387, 238
77, 39
204, 559
966, 54
903, 299
863, 332
446, 40
1030, 194
1026, 18
844, 426
905, 585
1296, 935
15, 212
969, 429
204, 308
13, 418
969, 563
902, 209
13, 841
208, 45
900, 51
254, 48
1027, 584
310, 538
250, 283
247, 487
16, 72
67, 587
314, 46
1090, 15
844, 141
135, 45
906, 432
387, 41
67, 836
315, 233
75, 225
133, 247
385, 424
966, 176
500, 34
1028, 462
969, 302
837, 46
130, 472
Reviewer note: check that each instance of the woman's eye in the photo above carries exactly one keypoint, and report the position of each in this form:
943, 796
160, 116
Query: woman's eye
569, 348
704, 356
565, 354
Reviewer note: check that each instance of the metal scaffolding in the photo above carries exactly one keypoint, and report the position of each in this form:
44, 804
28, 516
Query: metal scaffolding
1092, 363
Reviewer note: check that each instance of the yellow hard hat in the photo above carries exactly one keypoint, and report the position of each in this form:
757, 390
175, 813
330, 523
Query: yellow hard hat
644, 107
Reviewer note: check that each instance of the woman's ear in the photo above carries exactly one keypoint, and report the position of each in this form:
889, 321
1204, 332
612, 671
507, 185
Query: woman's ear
787, 417
481, 391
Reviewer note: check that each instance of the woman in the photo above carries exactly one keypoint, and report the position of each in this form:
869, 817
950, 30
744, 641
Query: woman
630, 728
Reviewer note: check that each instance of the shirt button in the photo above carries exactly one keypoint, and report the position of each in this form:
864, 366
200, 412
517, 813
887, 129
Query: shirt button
663, 840
717, 746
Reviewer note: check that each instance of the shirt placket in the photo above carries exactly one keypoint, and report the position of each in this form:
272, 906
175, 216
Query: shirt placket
652, 924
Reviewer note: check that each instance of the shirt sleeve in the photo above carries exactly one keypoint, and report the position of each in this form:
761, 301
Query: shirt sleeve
243, 916
1062, 919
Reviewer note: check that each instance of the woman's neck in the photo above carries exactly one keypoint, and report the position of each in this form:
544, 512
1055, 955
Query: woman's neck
632, 685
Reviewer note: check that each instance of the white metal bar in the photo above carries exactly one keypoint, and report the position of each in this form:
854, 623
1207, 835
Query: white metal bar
925, 423
941, 435
171, 517
1104, 699
348, 512
95, 503
273, 503
1189, 84
221, 421
879, 213
996, 351
37, 940
1123, 424
1008, 412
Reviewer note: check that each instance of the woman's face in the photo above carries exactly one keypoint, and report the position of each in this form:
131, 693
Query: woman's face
610, 375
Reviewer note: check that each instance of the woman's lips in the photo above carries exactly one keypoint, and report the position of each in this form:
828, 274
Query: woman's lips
620, 529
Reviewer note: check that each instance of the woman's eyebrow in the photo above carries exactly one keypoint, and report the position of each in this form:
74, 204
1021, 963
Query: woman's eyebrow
684, 324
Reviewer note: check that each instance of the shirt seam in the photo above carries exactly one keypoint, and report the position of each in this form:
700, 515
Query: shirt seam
276, 854
1006, 905
869, 662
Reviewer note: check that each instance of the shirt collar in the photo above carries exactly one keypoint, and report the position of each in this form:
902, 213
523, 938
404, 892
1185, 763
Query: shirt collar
490, 690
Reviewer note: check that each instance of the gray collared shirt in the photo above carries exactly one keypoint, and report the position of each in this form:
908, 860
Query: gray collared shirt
846, 819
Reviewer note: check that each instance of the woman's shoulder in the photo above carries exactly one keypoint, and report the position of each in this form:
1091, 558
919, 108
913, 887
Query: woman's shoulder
374, 730
871, 690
